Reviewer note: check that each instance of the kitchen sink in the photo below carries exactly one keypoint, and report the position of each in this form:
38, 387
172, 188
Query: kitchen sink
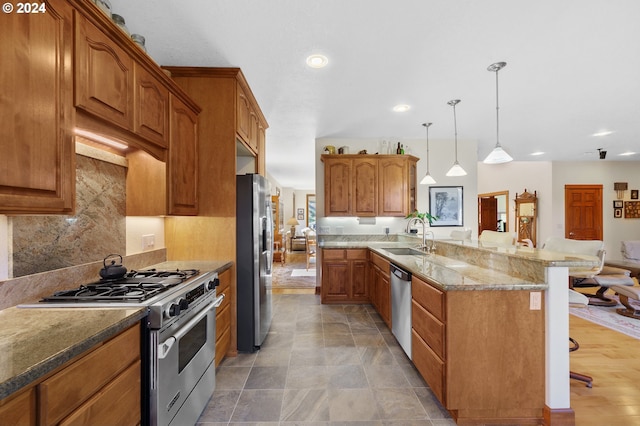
403, 251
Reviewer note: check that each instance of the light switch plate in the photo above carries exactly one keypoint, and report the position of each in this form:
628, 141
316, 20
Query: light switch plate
148, 242
535, 301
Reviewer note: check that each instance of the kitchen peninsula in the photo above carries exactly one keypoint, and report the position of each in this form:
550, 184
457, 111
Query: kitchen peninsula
480, 325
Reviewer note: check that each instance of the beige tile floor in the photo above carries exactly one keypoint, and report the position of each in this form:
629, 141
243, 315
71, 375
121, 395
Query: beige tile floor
323, 365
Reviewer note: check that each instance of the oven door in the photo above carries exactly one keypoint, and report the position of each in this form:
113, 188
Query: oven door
185, 373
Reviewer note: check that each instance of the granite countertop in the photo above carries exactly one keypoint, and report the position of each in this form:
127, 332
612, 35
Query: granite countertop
450, 273
36, 341
201, 265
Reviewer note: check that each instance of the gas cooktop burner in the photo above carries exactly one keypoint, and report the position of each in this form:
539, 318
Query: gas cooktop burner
135, 286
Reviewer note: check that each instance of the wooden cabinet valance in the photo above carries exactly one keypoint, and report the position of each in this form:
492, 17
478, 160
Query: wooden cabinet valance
369, 185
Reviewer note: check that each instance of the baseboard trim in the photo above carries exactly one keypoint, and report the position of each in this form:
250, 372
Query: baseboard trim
559, 416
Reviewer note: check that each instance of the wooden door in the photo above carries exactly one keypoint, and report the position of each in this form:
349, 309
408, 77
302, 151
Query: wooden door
337, 187
104, 76
37, 150
583, 212
182, 165
487, 213
151, 100
392, 183
365, 187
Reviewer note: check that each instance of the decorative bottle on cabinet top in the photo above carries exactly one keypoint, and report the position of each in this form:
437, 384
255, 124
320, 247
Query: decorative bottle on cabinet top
398, 150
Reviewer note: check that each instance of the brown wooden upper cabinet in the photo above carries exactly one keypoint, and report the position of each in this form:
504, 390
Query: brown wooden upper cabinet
247, 121
75, 56
37, 164
369, 185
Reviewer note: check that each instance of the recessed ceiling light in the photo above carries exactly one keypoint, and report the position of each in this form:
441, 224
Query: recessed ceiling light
603, 133
537, 153
317, 61
401, 108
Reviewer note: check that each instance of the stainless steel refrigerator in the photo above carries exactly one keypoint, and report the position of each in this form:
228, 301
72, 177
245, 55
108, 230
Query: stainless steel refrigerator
254, 246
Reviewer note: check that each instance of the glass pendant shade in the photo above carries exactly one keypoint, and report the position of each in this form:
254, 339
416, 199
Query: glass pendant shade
498, 155
456, 169
427, 179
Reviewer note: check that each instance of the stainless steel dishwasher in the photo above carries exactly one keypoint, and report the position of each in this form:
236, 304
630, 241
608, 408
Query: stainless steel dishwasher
401, 307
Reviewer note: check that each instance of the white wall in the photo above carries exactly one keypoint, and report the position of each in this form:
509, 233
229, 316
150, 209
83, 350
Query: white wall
606, 173
442, 158
515, 177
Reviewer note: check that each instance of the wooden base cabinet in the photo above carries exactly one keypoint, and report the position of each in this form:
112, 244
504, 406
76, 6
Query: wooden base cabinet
481, 352
102, 386
223, 316
344, 276
380, 286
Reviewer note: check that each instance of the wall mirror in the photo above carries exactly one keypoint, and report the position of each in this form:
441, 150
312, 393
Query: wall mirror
493, 211
311, 211
527, 216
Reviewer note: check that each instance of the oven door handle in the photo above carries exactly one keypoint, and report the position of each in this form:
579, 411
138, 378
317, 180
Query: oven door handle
218, 301
165, 347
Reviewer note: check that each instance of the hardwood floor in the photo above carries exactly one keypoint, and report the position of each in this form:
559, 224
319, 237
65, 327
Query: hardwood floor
613, 360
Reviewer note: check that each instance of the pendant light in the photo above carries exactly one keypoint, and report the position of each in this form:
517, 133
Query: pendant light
427, 179
498, 155
456, 169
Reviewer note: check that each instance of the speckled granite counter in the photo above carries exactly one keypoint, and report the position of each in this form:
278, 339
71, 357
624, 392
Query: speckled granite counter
34, 342
468, 265
201, 265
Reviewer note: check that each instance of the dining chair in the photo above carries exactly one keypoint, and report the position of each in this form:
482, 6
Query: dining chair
310, 237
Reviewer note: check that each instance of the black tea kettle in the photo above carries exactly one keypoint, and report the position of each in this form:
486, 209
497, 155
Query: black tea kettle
112, 271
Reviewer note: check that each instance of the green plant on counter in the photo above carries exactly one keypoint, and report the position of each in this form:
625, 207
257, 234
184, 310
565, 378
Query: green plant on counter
424, 216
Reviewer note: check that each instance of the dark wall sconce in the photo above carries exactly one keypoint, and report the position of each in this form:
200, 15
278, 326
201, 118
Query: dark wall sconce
620, 187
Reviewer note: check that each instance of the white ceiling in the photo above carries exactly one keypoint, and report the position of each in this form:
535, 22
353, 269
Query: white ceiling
573, 69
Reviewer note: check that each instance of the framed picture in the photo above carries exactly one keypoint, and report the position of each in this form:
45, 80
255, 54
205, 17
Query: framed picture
634, 194
617, 213
445, 202
300, 212
300, 217
632, 209
617, 204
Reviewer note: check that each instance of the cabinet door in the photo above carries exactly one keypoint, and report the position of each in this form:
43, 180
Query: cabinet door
254, 131
182, 164
20, 409
365, 187
104, 76
393, 187
243, 115
383, 287
337, 187
37, 160
359, 287
151, 101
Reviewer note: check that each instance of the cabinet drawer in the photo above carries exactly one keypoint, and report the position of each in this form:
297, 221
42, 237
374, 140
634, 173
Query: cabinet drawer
66, 390
117, 404
428, 328
429, 365
429, 297
357, 254
380, 262
334, 254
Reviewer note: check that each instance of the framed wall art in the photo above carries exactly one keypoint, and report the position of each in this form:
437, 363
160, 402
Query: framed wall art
632, 209
634, 194
617, 204
617, 213
445, 202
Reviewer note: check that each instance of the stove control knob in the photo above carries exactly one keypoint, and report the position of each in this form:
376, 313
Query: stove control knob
213, 284
184, 304
174, 310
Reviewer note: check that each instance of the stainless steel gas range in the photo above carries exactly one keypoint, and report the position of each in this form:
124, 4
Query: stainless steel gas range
180, 341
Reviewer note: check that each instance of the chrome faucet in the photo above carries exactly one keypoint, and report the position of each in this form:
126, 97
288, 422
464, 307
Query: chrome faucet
432, 245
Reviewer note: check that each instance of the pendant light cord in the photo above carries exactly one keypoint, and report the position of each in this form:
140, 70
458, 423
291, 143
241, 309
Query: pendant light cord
455, 129
497, 113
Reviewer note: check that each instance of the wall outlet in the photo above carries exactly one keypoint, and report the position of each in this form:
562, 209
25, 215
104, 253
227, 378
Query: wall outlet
386, 231
148, 242
535, 301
